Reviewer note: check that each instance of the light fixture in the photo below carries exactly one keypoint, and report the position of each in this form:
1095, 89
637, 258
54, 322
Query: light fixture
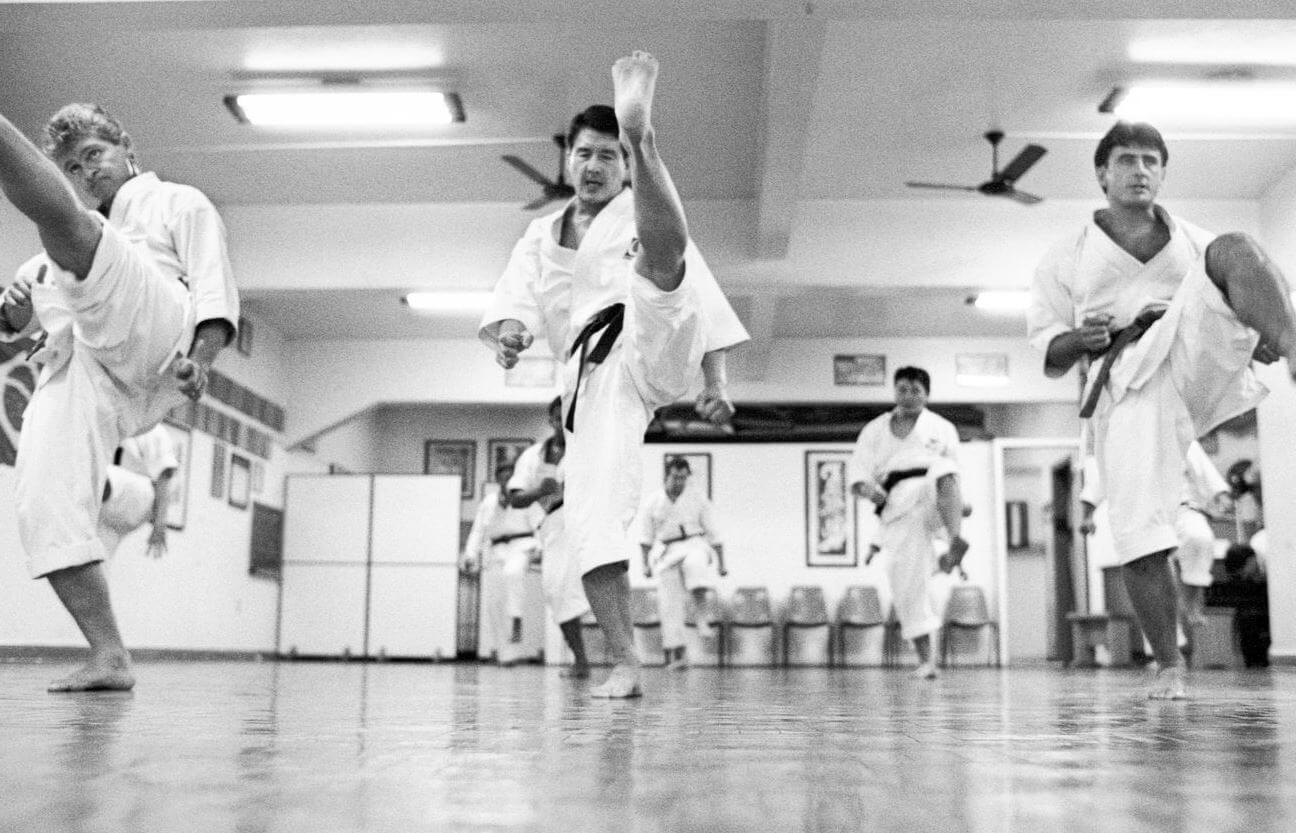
1001, 301
353, 107
447, 301
1224, 102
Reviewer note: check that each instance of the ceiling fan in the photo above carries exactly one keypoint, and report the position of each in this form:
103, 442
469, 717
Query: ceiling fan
551, 191
1001, 183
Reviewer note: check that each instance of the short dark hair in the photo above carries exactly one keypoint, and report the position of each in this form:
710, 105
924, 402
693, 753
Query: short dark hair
678, 464
1138, 134
913, 374
597, 117
75, 122
556, 404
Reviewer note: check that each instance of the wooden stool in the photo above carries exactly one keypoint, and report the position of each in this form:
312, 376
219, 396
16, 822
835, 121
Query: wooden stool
1089, 630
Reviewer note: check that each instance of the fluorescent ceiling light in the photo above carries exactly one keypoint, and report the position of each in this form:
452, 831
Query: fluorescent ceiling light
347, 108
1215, 102
446, 301
1004, 301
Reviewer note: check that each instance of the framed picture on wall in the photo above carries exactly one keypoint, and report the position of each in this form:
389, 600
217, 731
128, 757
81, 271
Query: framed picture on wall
240, 484
457, 457
219, 454
699, 466
830, 511
503, 451
178, 491
860, 369
1018, 534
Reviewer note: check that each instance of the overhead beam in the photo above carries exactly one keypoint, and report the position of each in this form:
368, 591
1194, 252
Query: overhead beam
793, 53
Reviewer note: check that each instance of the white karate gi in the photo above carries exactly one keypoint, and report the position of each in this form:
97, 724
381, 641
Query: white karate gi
910, 521
130, 504
1143, 423
683, 534
560, 573
652, 363
160, 268
1202, 483
502, 541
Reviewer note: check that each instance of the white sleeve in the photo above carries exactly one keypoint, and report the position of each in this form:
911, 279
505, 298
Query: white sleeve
648, 523
199, 236
1205, 479
706, 519
526, 469
514, 294
862, 462
1052, 307
477, 535
721, 326
1091, 489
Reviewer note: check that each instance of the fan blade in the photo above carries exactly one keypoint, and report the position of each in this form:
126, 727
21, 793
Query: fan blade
526, 170
1022, 197
941, 186
1021, 163
538, 202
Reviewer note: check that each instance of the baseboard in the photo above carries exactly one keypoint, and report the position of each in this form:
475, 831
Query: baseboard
67, 653
1285, 658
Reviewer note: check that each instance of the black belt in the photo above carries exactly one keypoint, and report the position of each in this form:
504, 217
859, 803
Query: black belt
504, 539
1124, 338
893, 478
609, 321
670, 541
554, 508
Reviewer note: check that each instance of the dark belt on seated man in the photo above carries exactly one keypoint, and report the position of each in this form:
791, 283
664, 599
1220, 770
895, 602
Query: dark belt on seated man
554, 508
895, 477
668, 541
504, 539
609, 321
1124, 338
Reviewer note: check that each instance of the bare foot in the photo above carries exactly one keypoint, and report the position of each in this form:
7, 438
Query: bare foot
951, 561
926, 671
575, 672
621, 683
99, 674
1169, 685
633, 82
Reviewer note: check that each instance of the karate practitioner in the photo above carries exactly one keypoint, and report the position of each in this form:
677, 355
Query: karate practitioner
138, 490
500, 547
1171, 316
906, 463
135, 296
679, 531
538, 479
616, 285
1205, 494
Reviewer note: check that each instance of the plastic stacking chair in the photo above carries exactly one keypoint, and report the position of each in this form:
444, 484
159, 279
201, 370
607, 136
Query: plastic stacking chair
967, 611
861, 627
751, 628
709, 651
807, 633
646, 617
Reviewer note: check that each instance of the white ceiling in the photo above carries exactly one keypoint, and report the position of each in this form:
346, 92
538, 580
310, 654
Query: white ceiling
771, 101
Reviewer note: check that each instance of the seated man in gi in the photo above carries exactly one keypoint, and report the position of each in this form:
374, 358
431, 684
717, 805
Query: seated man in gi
679, 531
1171, 316
138, 490
618, 287
135, 295
906, 463
538, 479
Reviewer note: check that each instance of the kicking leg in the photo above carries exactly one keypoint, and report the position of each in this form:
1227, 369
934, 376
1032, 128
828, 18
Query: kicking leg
39, 190
1152, 593
608, 590
1257, 292
84, 592
659, 215
949, 505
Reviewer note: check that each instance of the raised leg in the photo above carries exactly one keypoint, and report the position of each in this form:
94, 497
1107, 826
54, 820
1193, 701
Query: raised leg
608, 590
659, 215
83, 590
1257, 292
38, 189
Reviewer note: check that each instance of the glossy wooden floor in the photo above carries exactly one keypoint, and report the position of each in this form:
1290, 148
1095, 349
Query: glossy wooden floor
253, 747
